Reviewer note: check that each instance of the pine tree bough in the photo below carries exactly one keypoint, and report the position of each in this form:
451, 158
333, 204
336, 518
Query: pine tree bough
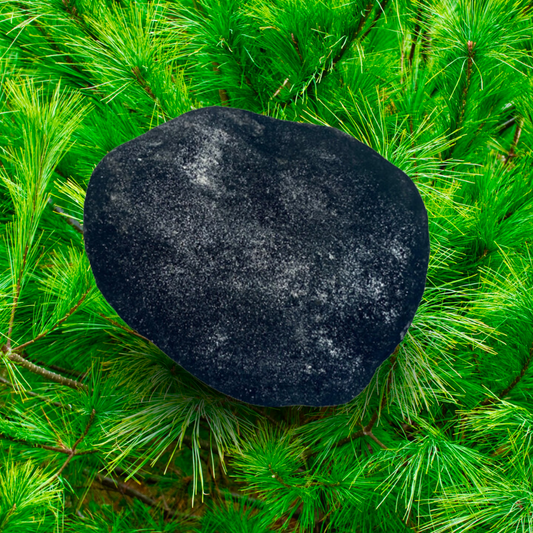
47, 374
72, 451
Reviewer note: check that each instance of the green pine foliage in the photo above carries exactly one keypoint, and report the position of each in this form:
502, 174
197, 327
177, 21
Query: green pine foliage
101, 432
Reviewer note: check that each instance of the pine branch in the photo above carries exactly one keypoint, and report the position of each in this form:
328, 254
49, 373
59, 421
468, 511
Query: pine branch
72, 451
52, 44
51, 376
223, 94
121, 487
37, 45
376, 18
516, 138
297, 48
57, 368
350, 39
224, 98
416, 32
307, 484
367, 430
143, 83
470, 45
79, 19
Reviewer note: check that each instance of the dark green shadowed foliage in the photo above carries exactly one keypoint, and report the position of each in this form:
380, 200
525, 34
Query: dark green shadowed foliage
101, 432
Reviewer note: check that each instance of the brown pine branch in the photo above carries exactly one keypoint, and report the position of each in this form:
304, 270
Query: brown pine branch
344, 48
224, 98
350, 39
47, 374
366, 431
516, 138
295, 42
376, 18
470, 45
57, 368
72, 451
375, 439
73, 64
121, 487
416, 32
143, 83
353, 35
368, 428
66, 451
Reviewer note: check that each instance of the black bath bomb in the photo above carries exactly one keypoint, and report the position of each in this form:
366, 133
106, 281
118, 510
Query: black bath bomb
281, 263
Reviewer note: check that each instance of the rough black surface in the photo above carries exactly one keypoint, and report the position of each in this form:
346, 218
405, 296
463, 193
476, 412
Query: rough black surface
281, 263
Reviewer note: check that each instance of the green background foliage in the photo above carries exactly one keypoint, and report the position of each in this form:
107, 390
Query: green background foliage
101, 432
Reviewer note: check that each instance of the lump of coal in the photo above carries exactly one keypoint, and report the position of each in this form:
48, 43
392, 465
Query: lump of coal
281, 263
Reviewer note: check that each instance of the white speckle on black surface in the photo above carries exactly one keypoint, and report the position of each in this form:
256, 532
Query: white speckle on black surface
281, 263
